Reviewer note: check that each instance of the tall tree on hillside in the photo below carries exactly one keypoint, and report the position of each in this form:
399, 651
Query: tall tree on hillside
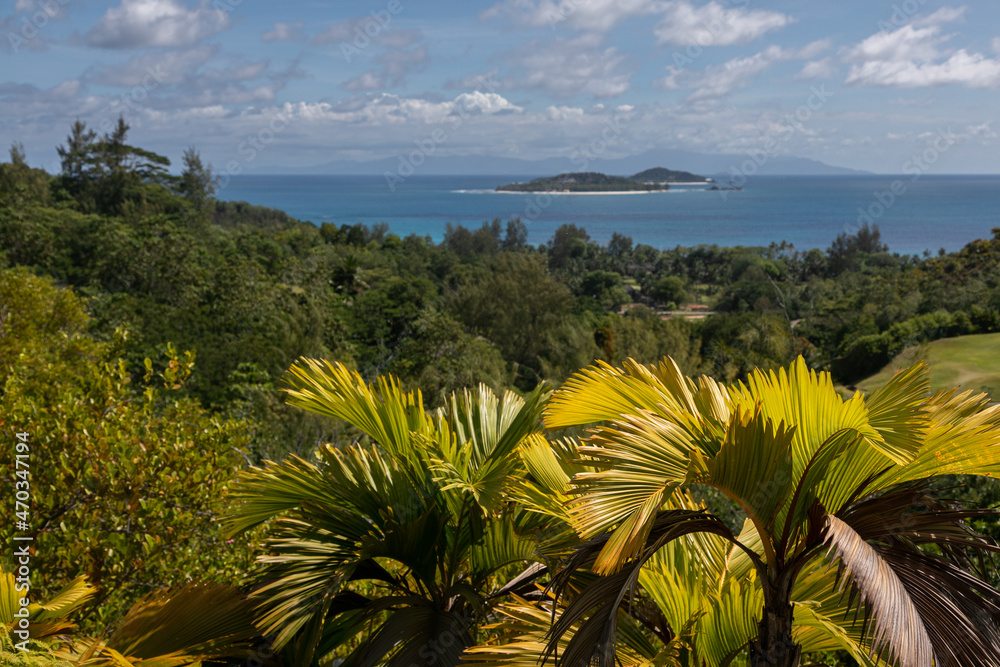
846, 247
198, 182
74, 156
102, 174
76, 160
18, 157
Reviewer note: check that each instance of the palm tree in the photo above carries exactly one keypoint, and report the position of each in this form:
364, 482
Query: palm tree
400, 544
844, 543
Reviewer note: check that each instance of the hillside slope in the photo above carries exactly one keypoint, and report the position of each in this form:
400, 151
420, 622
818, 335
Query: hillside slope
971, 362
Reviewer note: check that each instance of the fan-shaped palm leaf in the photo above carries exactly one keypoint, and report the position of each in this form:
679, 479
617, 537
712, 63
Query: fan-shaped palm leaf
807, 467
177, 628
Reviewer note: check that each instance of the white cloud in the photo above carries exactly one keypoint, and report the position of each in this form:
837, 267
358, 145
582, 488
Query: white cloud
682, 23
672, 80
486, 103
381, 109
719, 80
53, 10
813, 49
563, 114
713, 24
908, 43
192, 78
589, 15
394, 66
285, 32
969, 69
156, 23
982, 134
818, 69
915, 56
723, 79
570, 67
25, 103
946, 14
369, 80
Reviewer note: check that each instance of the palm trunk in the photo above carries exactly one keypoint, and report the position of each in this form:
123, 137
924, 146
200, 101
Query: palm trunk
774, 646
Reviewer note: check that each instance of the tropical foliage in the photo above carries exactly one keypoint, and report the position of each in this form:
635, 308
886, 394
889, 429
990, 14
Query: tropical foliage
126, 476
835, 493
174, 628
423, 498
408, 536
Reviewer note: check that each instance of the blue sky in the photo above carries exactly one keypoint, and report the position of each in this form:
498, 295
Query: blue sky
854, 83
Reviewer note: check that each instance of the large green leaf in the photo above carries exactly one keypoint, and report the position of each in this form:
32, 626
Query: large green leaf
466, 460
382, 410
604, 393
175, 628
753, 467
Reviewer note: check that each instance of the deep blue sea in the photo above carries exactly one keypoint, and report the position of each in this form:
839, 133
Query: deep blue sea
808, 211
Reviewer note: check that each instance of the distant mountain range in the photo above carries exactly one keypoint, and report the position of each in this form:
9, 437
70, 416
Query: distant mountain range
720, 166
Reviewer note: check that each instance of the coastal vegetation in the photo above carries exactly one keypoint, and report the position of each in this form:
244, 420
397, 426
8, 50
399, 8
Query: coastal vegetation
261, 441
664, 175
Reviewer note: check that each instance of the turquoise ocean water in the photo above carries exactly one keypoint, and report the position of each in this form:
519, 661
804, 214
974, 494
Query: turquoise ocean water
929, 213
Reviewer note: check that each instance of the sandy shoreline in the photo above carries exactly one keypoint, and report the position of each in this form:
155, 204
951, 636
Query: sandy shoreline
611, 192
563, 192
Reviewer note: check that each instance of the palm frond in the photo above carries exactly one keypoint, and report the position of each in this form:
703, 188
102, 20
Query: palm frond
753, 467
595, 608
730, 622
604, 393
543, 461
500, 546
896, 625
179, 627
381, 410
962, 438
934, 553
896, 409
521, 638
639, 463
807, 400
48, 618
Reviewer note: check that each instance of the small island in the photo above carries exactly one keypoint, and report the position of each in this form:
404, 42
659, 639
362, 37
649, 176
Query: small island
650, 180
664, 175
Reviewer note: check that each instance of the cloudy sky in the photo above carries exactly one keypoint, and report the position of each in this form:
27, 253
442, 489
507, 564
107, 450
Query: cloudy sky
857, 83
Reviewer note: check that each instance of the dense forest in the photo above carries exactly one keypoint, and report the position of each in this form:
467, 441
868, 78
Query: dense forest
147, 330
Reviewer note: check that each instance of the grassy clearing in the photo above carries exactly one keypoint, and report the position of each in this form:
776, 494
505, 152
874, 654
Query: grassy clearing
971, 362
